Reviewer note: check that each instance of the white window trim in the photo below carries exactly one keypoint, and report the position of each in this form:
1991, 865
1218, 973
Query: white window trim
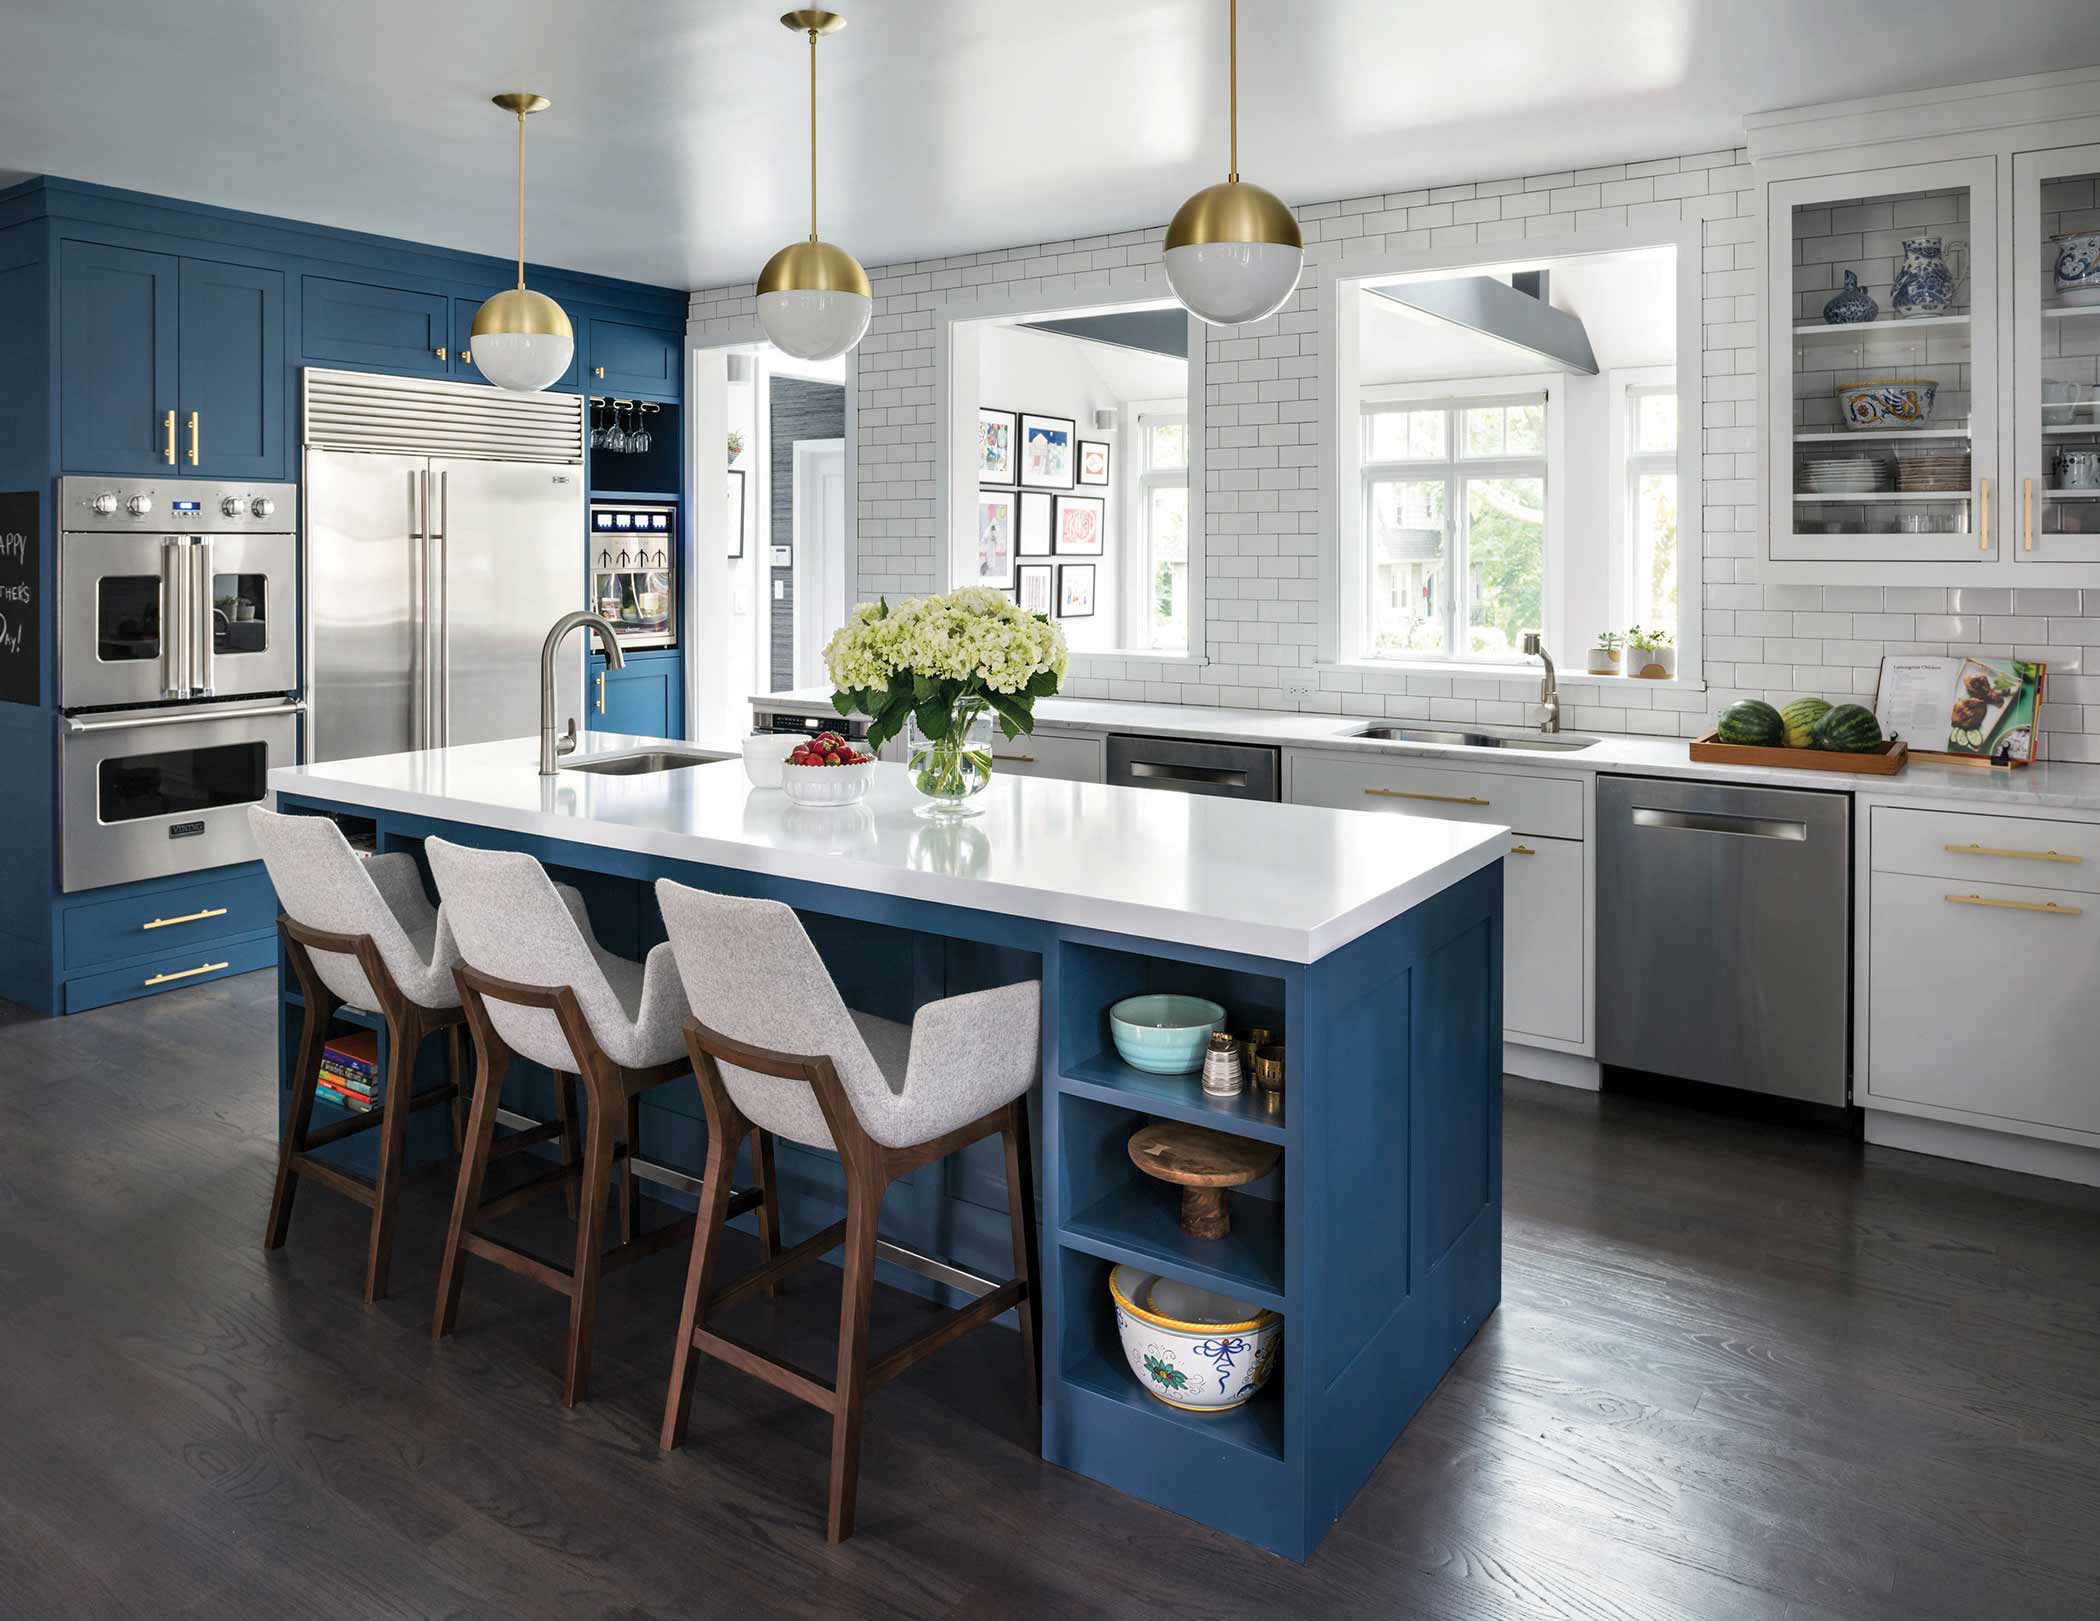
1451, 396
953, 318
1626, 383
1135, 484
1340, 447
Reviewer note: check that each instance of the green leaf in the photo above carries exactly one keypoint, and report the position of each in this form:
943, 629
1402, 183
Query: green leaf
934, 720
846, 703
1014, 717
1042, 684
923, 686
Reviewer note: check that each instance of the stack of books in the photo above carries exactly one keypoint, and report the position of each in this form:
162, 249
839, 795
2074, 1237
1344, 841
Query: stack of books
350, 1071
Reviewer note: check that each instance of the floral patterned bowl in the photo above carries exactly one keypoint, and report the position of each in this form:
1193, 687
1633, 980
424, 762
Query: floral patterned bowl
1887, 403
1202, 1352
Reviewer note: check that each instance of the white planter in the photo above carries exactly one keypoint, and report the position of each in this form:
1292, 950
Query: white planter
1606, 661
1651, 663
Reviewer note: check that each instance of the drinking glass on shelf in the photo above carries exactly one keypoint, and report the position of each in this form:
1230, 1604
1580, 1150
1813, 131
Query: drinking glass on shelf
616, 435
597, 434
639, 440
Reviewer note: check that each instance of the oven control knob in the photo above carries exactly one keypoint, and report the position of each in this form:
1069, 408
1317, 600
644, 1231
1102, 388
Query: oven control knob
262, 506
139, 505
232, 506
105, 503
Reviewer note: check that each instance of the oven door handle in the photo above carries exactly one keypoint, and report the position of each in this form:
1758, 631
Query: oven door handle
175, 645
75, 727
203, 650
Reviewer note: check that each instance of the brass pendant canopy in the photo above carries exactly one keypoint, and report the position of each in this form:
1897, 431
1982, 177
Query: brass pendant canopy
522, 339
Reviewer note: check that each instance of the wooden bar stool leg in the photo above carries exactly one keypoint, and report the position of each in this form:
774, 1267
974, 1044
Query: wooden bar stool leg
768, 1181
473, 1167
458, 1058
723, 1140
306, 1079
590, 1245
565, 1112
863, 1208
404, 1040
630, 1186
1020, 1206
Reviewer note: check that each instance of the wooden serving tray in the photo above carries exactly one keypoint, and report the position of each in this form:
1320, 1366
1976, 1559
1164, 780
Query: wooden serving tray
1884, 761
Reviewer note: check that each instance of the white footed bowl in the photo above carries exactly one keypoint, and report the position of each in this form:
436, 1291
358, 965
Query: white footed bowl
826, 784
1207, 1361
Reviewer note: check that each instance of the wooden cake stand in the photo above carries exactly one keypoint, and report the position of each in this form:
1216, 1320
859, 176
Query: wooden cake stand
1203, 1164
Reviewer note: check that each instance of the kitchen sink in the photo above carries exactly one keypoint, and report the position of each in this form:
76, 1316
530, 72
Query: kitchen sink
1474, 740
638, 765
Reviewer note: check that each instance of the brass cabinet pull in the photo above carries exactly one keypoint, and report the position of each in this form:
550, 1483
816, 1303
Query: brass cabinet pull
601, 692
1434, 799
193, 439
1522, 850
2049, 907
1016, 759
187, 973
2018, 855
2027, 514
440, 352
169, 451
1983, 533
597, 371
466, 357
187, 917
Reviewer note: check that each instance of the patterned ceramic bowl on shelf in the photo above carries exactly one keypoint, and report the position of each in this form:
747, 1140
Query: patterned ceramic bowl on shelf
2078, 266
1191, 1348
1887, 403
821, 785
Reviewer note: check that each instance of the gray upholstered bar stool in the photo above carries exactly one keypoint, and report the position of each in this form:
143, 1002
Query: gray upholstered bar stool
537, 985
359, 934
778, 1053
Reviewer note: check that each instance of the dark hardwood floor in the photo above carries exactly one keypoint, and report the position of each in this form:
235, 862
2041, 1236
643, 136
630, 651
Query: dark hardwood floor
1740, 1372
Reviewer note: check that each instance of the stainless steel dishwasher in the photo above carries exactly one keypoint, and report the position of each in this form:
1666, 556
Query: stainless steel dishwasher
1222, 770
1724, 923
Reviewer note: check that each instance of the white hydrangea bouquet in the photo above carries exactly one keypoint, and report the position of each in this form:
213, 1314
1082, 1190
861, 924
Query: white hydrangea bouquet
944, 669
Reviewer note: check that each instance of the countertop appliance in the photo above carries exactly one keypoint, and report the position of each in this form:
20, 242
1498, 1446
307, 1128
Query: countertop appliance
1220, 770
634, 570
177, 660
1724, 934
854, 728
441, 543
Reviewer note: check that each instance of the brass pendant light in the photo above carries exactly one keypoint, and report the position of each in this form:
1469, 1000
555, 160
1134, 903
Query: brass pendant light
1233, 251
813, 297
522, 339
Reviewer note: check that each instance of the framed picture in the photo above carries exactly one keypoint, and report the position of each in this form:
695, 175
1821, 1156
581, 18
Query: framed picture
995, 538
1032, 589
1080, 528
1093, 461
1046, 452
1036, 509
995, 446
1075, 590
736, 512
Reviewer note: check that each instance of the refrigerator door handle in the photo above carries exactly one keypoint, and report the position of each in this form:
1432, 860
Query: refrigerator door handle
441, 684
418, 605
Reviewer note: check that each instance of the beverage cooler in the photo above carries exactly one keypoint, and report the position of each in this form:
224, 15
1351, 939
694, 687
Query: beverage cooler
634, 570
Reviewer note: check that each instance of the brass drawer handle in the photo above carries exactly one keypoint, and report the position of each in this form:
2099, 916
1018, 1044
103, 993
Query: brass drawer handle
187, 917
194, 437
1016, 759
169, 450
601, 692
1983, 532
2049, 907
2017, 855
187, 973
1434, 799
439, 351
2027, 515
1522, 850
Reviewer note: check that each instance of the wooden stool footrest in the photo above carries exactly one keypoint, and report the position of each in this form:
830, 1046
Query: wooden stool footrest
551, 1274
525, 1192
806, 1387
347, 1183
810, 1249
958, 1323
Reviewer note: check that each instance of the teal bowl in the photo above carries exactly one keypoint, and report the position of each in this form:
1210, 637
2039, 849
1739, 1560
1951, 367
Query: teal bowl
1164, 1035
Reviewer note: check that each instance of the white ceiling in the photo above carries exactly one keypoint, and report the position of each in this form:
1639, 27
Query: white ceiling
675, 151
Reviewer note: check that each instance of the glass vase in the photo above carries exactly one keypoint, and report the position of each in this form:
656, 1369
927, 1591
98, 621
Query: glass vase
950, 771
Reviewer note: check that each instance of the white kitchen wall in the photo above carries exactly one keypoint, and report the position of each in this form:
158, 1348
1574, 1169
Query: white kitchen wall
1775, 642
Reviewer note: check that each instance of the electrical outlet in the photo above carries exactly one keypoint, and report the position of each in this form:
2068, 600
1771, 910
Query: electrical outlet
1300, 683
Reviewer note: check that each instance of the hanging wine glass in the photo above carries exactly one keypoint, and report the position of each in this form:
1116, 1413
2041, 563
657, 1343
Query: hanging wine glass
616, 435
639, 440
597, 434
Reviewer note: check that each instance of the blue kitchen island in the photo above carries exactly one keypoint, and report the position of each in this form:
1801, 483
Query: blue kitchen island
1372, 945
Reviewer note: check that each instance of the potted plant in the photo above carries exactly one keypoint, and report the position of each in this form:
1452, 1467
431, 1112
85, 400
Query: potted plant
942, 671
1604, 656
1650, 655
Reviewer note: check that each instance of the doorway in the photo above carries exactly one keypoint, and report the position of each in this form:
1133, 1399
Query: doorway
819, 573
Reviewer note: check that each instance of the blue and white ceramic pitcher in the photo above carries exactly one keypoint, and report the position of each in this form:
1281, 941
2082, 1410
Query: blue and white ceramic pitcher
1925, 284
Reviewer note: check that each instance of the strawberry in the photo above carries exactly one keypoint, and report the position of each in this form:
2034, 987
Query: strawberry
833, 757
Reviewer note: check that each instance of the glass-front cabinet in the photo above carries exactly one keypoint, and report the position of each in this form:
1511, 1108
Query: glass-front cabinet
2056, 353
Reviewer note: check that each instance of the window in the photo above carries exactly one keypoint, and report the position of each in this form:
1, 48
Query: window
1651, 507
1163, 518
1454, 495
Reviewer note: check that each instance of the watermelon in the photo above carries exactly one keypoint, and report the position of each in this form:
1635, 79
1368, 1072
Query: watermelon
1801, 716
1848, 729
1752, 722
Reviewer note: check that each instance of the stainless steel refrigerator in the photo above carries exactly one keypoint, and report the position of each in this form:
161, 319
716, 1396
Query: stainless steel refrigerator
431, 582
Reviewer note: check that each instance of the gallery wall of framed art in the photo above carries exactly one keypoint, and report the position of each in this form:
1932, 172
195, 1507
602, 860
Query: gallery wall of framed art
1035, 476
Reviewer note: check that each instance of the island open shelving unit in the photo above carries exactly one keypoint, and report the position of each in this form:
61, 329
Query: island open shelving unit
1374, 948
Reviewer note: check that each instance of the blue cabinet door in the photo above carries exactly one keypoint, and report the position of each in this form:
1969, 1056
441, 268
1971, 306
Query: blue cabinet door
230, 411
630, 359
116, 359
463, 313
392, 329
644, 699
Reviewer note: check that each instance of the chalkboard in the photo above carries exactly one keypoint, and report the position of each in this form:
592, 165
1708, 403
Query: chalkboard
20, 657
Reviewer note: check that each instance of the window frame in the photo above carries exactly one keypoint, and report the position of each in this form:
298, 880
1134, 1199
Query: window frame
1139, 479
1628, 385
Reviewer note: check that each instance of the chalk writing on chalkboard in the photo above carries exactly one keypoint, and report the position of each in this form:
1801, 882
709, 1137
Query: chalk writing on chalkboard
20, 655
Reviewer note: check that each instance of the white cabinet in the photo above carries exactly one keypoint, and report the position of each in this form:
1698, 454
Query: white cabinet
2056, 363
1547, 886
1983, 971
1068, 756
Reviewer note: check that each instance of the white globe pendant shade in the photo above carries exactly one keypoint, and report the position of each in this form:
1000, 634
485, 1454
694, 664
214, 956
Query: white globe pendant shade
814, 300
522, 340
1233, 253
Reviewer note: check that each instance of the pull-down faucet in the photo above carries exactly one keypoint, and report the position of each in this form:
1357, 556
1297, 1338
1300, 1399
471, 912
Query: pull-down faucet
1549, 688
552, 748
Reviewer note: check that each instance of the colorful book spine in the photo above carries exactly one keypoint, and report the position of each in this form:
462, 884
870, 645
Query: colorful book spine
356, 1102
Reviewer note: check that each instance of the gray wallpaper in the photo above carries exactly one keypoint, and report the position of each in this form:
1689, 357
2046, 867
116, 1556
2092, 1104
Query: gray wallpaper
799, 410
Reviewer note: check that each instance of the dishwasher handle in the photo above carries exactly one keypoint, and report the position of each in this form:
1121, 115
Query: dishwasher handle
1748, 827
1158, 771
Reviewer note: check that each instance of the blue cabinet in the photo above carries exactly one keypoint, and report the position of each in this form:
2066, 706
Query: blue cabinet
631, 359
231, 375
396, 329
645, 699
117, 359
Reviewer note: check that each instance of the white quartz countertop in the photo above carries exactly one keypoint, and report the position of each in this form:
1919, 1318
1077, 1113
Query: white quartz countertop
2057, 785
1288, 882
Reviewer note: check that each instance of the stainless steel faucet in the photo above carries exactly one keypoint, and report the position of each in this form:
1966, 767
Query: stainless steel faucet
1549, 689
552, 748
